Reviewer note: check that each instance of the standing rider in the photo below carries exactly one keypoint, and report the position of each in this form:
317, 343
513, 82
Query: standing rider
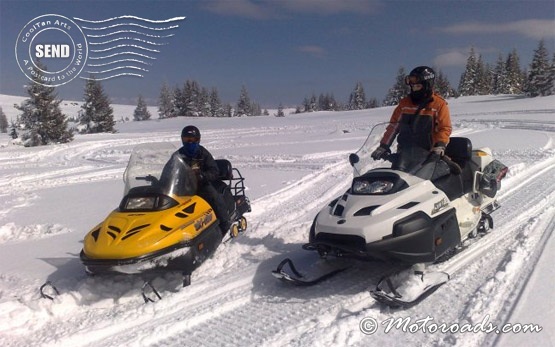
421, 122
206, 171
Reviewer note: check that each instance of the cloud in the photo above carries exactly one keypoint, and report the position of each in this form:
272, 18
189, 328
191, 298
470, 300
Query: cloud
264, 9
452, 58
238, 8
315, 51
459, 55
533, 28
329, 7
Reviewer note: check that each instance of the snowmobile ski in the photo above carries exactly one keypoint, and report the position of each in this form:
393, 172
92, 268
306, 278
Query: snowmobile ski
48, 287
149, 293
296, 278
404, 290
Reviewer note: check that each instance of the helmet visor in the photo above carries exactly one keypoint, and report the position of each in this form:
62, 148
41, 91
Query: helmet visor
411, 79
189, 139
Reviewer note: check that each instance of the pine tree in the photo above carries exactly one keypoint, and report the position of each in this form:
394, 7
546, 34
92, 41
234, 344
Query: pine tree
42, 120
141, 111
203, 103
280, 111
3, 122
327, 102
552, 75
216, 108
373, 103
13, 132
178, 103
469, 78
398, 91
244, 104
228, 110
442, 85
96, 115
499, 78
357, 99
166, 103
483, 78
513, 73
191, 99
540, 81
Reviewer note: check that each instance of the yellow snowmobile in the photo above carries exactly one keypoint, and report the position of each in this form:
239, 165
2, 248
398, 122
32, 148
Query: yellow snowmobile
160, 224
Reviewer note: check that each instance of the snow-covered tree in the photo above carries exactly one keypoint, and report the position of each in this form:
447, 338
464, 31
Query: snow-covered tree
42, 121
141, 111
442, 85
13, 130
483, 78
96, 115
499, 79
203, 103
191, 99
398, 91
166, 102
373, 103
469, 78
244, 104
3, 122
357, 99
513, 74
540, 81
280, 111
178, 103
327, 102
216, 108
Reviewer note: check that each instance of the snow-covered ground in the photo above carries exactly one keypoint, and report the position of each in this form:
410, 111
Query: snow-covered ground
51, 196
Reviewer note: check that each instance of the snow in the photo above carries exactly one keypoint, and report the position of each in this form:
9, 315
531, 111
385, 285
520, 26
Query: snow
51, 196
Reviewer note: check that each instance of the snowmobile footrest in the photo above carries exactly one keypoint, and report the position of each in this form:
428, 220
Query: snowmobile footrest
297, 278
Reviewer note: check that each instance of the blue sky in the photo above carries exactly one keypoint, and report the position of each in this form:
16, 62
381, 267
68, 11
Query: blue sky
285, 50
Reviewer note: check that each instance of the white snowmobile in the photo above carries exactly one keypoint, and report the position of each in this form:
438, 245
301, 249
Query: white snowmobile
413, 217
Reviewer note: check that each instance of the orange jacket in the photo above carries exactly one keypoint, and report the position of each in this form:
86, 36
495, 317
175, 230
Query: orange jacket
437, 108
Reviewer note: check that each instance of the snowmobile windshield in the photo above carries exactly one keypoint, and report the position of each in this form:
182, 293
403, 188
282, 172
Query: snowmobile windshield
364, 160
156, 167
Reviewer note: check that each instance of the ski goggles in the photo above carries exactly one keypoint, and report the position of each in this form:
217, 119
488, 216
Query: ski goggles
409, 80
186, 139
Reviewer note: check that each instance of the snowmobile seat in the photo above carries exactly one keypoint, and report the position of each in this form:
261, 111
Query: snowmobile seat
459, 150
225, 169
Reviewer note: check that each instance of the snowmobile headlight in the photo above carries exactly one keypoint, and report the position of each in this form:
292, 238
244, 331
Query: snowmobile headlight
141, 203
374, 187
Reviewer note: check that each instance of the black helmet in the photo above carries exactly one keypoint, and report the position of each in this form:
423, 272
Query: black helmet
190, 131
426, 77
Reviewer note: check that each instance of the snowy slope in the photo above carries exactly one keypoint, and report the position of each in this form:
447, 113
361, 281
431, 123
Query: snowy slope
51, 196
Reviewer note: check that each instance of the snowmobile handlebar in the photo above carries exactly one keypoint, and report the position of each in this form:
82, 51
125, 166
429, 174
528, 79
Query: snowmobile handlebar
149, 178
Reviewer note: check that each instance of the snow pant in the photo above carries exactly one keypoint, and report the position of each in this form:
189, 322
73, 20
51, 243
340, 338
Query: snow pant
216, 201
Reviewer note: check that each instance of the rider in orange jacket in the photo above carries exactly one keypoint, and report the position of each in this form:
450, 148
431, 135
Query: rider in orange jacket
421, 122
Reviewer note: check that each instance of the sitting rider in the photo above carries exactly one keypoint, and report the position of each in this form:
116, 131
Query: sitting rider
421, 123
206, 171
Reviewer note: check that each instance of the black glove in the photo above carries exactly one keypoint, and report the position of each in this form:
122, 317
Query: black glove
381, 152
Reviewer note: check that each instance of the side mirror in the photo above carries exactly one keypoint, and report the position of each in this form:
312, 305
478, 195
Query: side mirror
353, 159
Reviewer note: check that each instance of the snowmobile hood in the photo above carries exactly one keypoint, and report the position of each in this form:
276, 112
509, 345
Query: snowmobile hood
125, 235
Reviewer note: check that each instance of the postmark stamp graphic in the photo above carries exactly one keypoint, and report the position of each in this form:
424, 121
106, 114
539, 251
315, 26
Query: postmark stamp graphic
58, 42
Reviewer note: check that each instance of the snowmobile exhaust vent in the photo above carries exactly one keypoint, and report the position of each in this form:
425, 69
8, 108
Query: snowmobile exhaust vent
366, 211
134, 231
